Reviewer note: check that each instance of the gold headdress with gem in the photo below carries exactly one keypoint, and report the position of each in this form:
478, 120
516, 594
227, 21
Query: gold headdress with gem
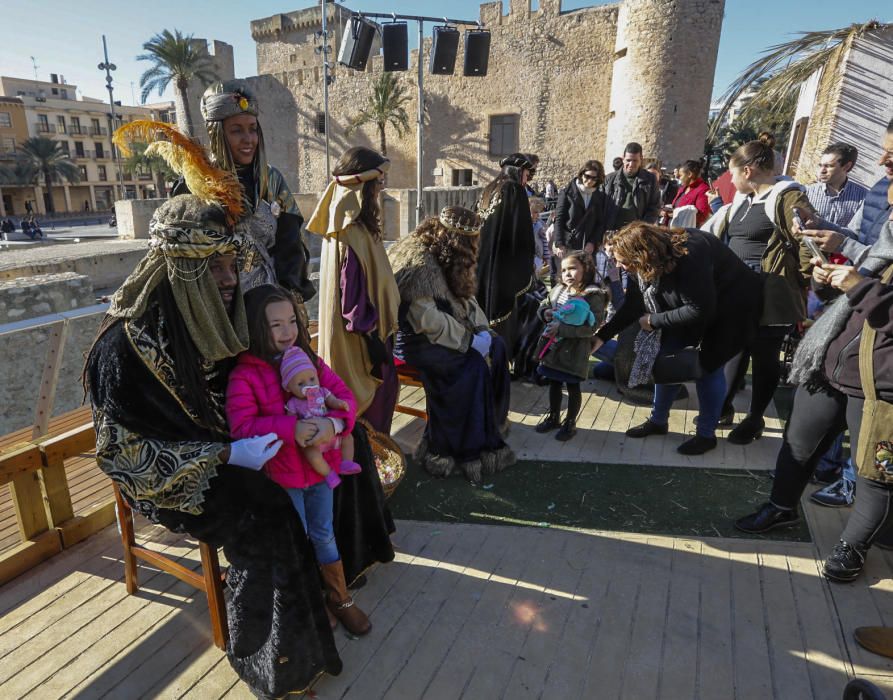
460, 220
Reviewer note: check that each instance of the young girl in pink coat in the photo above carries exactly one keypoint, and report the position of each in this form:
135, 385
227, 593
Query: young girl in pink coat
255, 405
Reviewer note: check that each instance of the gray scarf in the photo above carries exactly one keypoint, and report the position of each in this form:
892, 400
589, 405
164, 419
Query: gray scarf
809, 359
647, 344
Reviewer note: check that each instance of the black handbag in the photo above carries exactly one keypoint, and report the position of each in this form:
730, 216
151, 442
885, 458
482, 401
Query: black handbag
683, 365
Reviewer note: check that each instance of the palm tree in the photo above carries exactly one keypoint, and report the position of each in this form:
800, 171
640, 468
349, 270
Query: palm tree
385, 106
42, 156
176, 58
155, 164
776, 77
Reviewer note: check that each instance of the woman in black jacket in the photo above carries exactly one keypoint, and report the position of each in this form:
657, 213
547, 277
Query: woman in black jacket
830, 397
580, 213
686, 289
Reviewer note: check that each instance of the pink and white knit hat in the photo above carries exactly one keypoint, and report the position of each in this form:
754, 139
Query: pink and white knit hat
294, 360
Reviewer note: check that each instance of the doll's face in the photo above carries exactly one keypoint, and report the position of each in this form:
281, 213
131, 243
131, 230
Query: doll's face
303, 379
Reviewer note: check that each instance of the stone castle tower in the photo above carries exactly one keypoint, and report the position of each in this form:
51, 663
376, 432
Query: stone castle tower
664, 63
568, 85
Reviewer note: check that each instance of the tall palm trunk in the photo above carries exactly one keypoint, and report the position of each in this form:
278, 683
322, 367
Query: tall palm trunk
381, 139
160, 185
50, 205
184, 113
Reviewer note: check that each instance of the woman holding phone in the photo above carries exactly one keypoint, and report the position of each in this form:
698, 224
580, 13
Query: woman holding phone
759, 226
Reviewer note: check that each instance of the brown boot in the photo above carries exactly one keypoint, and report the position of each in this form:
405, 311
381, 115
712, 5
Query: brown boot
878, 640
339, 603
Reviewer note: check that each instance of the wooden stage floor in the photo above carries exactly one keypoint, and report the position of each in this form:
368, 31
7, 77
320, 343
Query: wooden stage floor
489, 611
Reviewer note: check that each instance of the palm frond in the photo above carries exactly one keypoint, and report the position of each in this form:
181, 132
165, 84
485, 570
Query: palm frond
784, 67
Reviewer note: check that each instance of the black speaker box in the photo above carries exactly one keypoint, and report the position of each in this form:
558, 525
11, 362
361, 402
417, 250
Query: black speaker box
477, 52
395, 46
357, 43
444, 47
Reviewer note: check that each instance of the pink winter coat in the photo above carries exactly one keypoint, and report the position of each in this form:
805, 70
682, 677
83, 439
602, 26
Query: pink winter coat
255, 405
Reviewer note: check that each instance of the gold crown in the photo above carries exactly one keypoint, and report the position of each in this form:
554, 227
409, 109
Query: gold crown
460, 220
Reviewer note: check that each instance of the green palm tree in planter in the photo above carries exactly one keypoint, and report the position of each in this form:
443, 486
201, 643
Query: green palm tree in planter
386, 105
176, 58
42, 156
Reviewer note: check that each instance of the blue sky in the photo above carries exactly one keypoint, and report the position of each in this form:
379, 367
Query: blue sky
65, 37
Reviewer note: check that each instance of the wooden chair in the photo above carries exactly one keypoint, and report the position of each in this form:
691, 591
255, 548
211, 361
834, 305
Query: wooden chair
409, 376
209, 581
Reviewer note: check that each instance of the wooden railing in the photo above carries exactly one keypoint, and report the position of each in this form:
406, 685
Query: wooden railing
58, 494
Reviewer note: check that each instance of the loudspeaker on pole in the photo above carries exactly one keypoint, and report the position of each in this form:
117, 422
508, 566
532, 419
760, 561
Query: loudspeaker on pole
357, 43
444, 47
395, 46
477, 52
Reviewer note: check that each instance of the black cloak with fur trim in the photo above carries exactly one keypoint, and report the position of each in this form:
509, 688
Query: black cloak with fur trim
279, 635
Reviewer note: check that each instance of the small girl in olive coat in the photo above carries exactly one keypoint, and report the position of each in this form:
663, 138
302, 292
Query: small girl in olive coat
564, 348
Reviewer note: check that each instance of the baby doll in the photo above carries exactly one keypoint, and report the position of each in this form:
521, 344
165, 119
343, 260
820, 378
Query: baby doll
310, 400
574, 312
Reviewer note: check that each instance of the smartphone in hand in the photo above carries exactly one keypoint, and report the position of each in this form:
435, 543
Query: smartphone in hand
815, 249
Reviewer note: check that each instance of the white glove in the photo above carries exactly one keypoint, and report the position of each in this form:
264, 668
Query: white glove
253, 453
481, 342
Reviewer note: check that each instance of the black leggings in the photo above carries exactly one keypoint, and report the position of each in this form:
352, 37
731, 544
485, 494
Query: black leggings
872, 514
817, 418
574, 399
764, 353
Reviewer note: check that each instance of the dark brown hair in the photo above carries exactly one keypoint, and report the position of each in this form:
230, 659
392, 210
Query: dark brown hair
261, 341
756, 154
694, 167
649, 251
767, 137
596, 166
358, 160
455, 252
586, 262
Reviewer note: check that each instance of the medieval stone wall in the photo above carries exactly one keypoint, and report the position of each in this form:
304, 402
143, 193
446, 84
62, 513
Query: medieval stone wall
552, 69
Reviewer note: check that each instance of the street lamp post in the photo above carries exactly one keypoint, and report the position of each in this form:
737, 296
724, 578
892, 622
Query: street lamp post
108, 67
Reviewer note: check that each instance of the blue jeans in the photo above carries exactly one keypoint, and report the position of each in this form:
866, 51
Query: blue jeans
314, 505
711, 391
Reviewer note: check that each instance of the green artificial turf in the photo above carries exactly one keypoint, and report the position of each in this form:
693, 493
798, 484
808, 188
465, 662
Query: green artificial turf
629, 498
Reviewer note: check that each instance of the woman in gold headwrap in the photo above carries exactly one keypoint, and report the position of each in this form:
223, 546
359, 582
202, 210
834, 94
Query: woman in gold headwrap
275, 252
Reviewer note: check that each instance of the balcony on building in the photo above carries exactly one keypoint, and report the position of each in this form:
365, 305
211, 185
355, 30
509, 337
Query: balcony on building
98, 131
46, 128
75, 130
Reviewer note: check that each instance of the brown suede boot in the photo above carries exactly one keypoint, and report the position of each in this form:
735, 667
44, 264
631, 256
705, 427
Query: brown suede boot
340, 604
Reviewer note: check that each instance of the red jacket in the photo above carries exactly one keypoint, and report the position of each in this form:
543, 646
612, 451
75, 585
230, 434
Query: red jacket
696, 194
255, 405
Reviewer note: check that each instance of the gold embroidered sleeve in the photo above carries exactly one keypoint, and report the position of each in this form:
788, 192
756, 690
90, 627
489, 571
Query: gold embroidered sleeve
155, 473
440, 328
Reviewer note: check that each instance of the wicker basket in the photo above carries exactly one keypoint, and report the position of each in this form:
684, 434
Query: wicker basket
389, 459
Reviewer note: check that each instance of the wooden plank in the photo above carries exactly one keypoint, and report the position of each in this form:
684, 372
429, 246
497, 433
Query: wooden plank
28, 501
102, 624
58, 333
750, 649
649, 628
679, 665
18, 459
717, 674
27, 555
91, 521
470, 647
74, 441
57, 498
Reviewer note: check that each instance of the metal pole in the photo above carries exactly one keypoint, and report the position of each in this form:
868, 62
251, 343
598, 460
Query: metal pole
419, 209
325, 85
108, 68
